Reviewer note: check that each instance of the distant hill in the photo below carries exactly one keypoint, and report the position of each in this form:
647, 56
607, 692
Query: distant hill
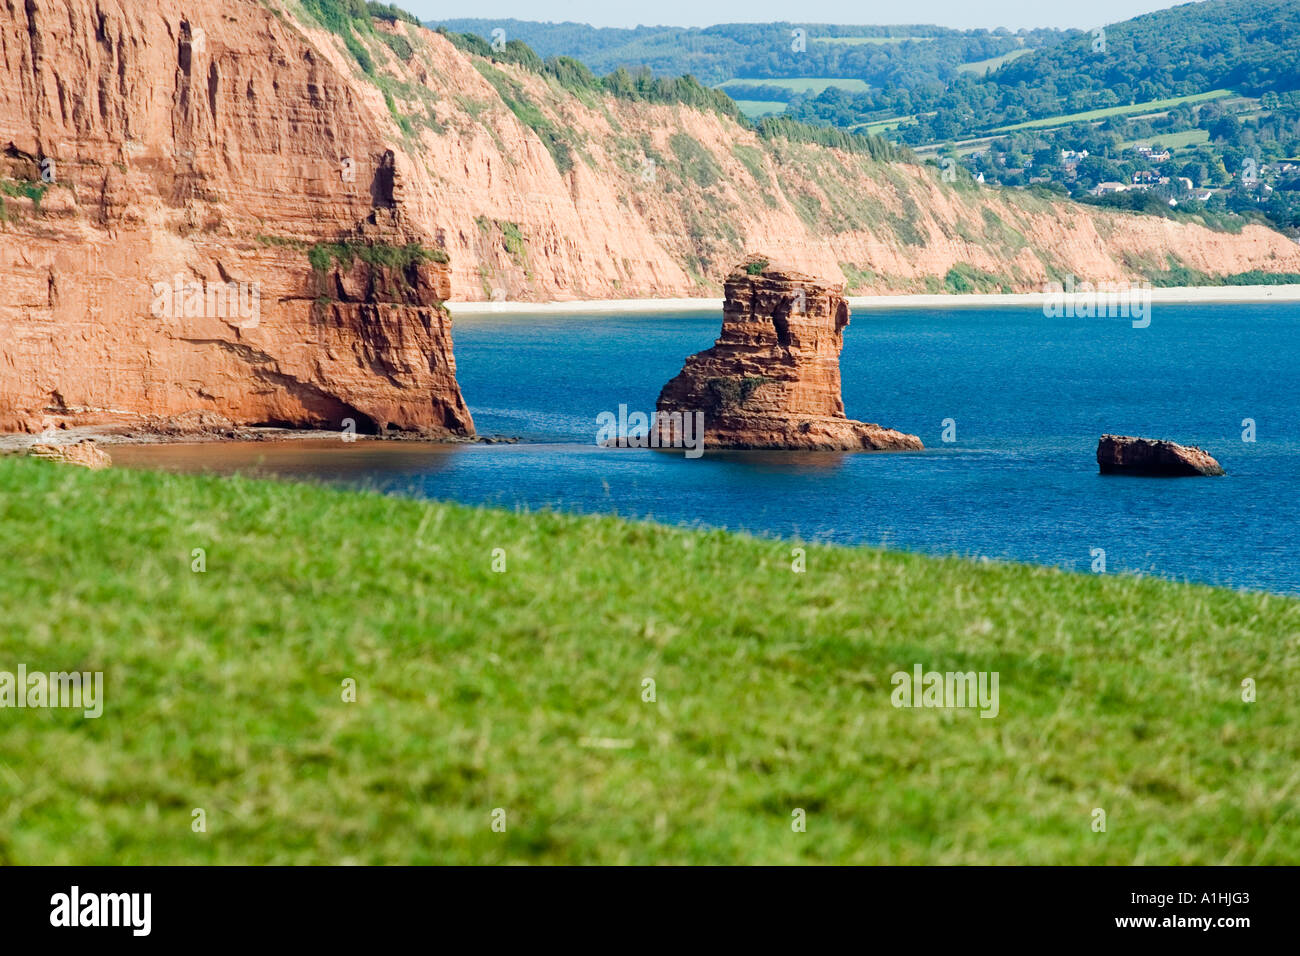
1249, 46
902, 56
949, 83
1217, 81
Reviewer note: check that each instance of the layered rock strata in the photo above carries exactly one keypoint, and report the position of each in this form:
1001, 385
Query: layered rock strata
203, 214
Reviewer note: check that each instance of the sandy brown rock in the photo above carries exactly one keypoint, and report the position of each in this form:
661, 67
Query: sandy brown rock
84, 453
1126, 455
772, 379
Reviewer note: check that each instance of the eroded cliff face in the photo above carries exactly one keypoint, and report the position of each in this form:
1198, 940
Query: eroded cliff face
204, 216
772, 379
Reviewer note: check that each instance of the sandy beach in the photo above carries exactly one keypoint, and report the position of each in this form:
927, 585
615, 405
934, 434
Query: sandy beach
1181, 295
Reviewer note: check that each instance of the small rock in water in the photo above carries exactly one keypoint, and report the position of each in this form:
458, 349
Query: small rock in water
1126, 455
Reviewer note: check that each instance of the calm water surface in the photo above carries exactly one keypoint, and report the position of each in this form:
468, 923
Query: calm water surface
1029, 397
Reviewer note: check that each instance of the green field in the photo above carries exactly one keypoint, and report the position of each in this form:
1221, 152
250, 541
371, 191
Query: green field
801, 84
880, 126
755, 109
1172, 141
992, 63
525, 692
1148, 107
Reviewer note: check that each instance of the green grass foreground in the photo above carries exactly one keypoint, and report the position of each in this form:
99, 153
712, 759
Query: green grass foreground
523, 691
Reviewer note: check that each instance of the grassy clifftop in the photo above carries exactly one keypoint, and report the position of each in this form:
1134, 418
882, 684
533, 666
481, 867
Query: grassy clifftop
524, 691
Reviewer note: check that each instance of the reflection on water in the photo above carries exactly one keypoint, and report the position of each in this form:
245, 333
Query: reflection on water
382, 463
327, 459
772, 462
332, 459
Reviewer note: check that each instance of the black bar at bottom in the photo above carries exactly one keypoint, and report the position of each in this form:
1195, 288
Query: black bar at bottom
333, 906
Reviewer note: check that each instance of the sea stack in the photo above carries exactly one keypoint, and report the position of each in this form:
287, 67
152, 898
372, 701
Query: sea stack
772, 379
1126, 455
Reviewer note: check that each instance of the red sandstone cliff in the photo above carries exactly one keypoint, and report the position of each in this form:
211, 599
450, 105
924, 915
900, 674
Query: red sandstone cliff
772, 380
224, 140
198, 152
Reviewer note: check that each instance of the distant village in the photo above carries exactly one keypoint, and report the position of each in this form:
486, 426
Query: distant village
1143, 174
1172, 188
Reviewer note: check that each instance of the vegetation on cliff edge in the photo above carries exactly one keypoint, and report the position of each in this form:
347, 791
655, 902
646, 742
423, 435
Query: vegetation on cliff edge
644, 86
323, 255
351, 20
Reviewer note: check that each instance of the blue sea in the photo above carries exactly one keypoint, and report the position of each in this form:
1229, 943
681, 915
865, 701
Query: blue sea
1023, 397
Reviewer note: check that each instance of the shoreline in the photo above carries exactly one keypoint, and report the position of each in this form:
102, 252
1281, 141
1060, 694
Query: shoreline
1176, 295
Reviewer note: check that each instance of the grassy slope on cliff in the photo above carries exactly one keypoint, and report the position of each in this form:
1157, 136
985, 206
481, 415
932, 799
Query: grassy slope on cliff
688, 183
522, 690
